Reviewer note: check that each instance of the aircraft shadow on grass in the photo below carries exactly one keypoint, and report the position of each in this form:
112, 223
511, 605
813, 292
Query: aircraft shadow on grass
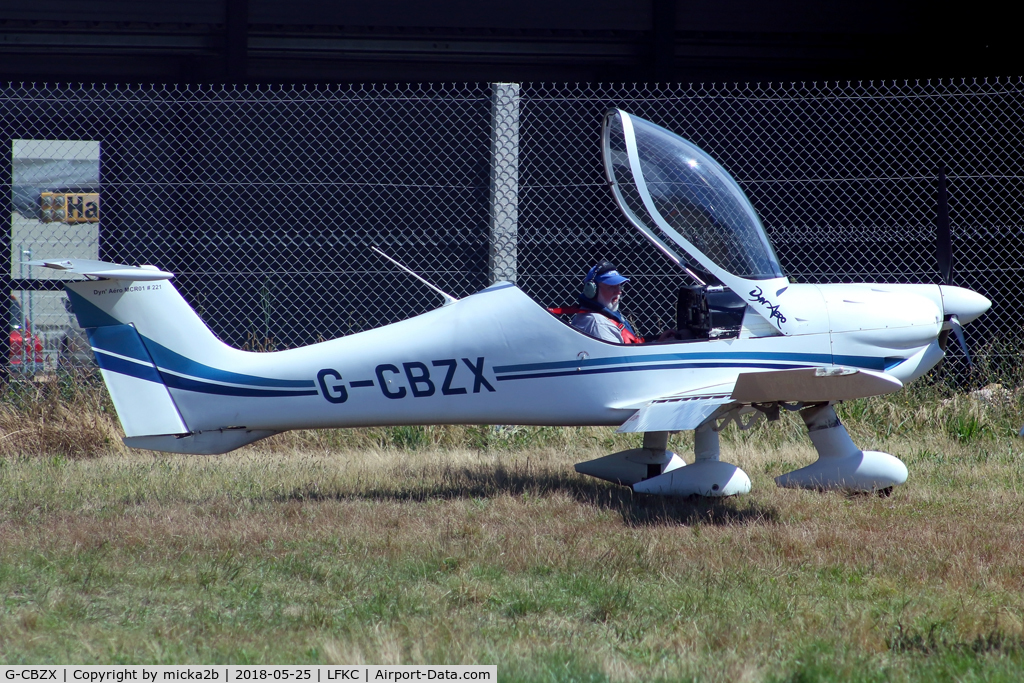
485, 482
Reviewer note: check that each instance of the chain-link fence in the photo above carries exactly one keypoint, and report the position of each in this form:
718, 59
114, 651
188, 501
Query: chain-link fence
265, 200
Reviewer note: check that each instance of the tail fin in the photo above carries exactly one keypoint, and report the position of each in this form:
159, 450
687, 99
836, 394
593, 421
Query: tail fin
145, 338
124, 316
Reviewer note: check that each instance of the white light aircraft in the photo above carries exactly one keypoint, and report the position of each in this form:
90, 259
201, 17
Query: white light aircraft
761, 343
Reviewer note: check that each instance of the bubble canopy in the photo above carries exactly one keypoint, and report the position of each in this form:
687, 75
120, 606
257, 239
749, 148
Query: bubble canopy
671, 190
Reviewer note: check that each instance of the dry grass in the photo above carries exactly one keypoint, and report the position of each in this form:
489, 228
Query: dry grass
406, 546
68, 416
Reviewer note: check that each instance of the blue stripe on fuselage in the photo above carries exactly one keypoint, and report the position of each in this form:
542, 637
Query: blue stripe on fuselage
169, 360
642, 368
175, 362
805, 358
684, 360
149, 373
869, 362
127, 367
186, 384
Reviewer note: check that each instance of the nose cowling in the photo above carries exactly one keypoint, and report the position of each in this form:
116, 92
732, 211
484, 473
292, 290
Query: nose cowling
965, 304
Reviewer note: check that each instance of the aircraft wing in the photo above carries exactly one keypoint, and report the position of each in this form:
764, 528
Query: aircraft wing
812, 385
806, 385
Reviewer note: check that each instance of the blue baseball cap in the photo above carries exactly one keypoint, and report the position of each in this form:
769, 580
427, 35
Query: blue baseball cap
608, 277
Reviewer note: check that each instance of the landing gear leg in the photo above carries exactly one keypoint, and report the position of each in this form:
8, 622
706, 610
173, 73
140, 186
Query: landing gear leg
840, 464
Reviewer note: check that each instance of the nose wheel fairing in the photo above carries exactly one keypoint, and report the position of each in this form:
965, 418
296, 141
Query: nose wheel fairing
840, 464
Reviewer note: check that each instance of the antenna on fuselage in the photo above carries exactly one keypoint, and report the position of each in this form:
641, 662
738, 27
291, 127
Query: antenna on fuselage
448, 298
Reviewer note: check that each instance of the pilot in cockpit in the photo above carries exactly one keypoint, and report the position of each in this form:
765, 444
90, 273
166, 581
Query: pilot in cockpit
597, 314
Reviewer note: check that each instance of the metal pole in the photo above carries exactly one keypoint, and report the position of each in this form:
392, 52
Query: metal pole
21, 320
30, 334
6, 209
504, 237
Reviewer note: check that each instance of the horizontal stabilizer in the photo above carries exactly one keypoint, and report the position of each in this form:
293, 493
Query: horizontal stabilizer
673, 414
812, 385
213, 442
102, 269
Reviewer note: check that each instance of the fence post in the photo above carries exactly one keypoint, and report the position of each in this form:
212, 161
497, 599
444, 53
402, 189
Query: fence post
6, 258
504, 200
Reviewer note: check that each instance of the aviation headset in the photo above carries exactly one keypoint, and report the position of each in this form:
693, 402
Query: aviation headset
590, 283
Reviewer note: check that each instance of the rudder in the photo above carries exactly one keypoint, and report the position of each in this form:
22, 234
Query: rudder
143, 403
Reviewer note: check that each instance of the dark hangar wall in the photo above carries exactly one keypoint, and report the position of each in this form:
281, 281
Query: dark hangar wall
468, 40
